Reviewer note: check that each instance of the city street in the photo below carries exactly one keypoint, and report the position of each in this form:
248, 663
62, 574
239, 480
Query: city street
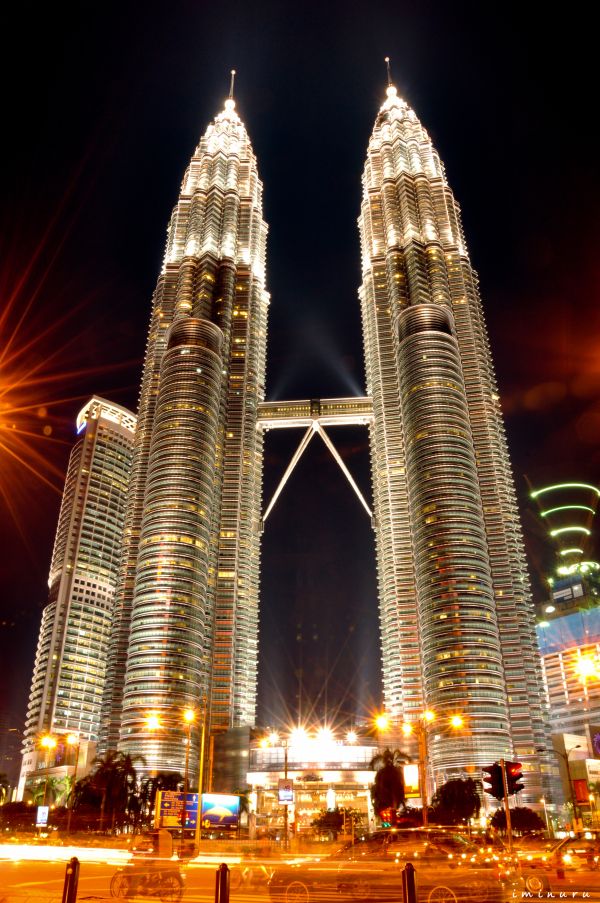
42, 882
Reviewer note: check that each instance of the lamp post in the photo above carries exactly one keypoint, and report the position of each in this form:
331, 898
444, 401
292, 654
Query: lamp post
548, 828
153, 723
189, 716
73, 740
565, 757
420, 726
201, 776
48, 742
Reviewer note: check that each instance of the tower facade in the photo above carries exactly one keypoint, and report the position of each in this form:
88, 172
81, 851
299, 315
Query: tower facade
70, 664
185, 627
457, 623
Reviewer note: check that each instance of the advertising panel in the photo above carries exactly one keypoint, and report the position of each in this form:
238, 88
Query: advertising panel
411, 781
286, 791
41, 819
220, 810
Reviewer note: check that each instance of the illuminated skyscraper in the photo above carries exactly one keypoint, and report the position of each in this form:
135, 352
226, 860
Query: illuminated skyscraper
568, 625
458, 632
70, 664
186, 618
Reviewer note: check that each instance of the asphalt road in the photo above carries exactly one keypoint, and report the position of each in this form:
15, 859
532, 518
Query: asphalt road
43, 882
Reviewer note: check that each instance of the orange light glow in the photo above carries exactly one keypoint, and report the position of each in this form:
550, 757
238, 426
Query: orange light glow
586, 667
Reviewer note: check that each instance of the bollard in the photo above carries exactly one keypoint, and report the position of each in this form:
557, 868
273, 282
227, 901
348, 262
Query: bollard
222, 884
409, 889
71, 881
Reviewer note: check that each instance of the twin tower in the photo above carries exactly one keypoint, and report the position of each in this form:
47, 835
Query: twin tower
457, 626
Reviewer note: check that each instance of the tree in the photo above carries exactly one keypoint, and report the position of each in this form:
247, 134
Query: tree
4, 787
455, 802
162, 780
114, 777
522, 820
329, 820
18, 816
387, 791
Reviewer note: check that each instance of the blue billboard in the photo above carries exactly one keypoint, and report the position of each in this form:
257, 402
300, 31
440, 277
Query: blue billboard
220, 810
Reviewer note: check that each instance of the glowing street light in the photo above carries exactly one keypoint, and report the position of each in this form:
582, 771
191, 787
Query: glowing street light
420, 726
586, 667
382, 722
188, 717
351, 737
298, 736
153, 722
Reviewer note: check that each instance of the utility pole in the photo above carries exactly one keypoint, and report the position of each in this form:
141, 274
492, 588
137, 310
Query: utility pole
506, 807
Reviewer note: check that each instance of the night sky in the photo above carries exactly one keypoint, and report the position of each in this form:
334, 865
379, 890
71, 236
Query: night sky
102, 109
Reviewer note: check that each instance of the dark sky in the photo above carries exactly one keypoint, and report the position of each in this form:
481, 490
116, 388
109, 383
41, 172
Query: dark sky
102, 109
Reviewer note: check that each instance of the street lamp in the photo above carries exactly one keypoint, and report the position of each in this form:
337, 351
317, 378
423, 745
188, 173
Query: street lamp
420, 726
188, 717
548, 828
73, 740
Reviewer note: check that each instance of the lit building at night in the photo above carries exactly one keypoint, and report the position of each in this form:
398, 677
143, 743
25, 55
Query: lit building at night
568, 621
185, 628
326, 773
70, 664
457, 619
456, 613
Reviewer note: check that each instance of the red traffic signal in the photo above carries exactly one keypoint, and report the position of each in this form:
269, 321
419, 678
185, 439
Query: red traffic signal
514, 776
492, 781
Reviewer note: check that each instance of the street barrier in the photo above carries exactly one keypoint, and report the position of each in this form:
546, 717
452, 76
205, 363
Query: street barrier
222, 884
71, 881
409, 889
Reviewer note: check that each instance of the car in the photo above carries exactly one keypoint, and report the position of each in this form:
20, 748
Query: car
576, 853
448, 869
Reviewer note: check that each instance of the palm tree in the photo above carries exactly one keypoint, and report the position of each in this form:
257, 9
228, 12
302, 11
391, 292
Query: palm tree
115, 777
162, 780
387, 791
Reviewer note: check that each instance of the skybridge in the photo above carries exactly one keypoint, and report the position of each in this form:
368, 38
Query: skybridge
315, 414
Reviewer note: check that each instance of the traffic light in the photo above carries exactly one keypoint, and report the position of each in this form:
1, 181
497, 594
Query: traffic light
492, 776
514, 776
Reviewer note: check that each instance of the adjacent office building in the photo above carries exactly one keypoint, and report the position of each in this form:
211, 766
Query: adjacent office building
70, 663
568, 620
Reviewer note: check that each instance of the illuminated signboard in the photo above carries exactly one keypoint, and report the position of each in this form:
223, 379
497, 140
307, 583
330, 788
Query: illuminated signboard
220, 810
286, 791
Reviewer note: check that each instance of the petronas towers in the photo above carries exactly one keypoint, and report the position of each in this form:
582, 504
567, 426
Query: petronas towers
185, 628
457, 630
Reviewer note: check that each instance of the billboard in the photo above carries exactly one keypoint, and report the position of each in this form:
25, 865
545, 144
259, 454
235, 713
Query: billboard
220, 810
411, 781
286, 791
41, 819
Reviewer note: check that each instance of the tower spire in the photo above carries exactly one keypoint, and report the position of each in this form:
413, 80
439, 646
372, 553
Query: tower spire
389, 71
231, 84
